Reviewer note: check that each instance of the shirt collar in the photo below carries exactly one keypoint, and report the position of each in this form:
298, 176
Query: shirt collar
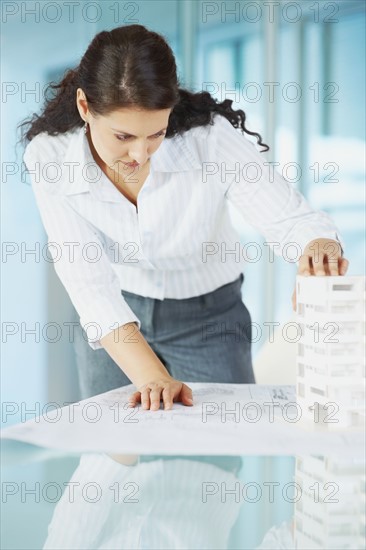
176, 155
173, 155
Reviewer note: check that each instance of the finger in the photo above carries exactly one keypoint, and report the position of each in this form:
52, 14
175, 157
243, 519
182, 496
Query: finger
145, 398
331, 266
155, 399
167, 398
331, 261
186, 395
304, 266
318, 265
343, 266
134, 398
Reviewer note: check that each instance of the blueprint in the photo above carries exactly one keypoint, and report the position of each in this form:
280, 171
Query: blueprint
225, 419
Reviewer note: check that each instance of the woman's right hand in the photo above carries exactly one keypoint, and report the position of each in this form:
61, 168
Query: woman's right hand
139, 362
168, 390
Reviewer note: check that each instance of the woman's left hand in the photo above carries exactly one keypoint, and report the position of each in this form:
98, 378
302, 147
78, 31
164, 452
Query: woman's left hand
321, 257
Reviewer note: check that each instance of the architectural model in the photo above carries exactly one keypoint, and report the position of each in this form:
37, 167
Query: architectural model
331, 350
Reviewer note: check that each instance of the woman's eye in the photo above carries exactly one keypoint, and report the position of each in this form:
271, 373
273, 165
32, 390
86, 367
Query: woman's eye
125, 138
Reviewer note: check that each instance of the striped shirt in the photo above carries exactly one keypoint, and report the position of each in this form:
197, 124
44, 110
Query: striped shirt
180, 241
161, 504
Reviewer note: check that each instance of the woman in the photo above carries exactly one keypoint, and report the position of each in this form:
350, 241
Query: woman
132, 176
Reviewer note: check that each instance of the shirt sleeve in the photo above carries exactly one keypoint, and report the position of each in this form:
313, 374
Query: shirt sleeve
83, 269
267, 201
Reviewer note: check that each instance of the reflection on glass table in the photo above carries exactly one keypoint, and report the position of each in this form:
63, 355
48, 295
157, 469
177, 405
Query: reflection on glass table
102, 501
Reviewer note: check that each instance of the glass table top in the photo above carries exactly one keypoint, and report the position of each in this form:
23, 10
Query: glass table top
95, 500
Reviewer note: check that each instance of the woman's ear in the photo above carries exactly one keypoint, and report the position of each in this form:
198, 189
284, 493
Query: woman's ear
82, 104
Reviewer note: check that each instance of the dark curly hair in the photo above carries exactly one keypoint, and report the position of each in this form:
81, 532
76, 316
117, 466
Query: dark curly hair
128, 66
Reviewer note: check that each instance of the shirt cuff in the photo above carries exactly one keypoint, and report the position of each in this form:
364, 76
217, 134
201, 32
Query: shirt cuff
311, 235
95, 331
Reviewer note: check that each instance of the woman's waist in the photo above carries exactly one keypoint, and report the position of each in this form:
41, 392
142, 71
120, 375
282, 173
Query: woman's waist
177, 284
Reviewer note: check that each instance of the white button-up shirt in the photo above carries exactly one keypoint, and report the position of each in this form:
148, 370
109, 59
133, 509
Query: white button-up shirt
180, 241
153, 504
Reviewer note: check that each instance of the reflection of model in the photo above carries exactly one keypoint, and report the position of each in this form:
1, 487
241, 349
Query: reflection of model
279, 538
329, 507
147, 502
138, 211
331, 512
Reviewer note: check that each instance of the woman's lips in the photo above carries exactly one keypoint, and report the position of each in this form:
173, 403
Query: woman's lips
132, 164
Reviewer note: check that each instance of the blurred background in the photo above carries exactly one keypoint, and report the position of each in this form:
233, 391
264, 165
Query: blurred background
295, 68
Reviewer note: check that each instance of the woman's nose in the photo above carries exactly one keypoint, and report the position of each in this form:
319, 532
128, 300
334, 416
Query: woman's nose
138, 153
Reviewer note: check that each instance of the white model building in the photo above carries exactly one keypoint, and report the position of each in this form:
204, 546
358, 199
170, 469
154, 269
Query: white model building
331, 350
330, 511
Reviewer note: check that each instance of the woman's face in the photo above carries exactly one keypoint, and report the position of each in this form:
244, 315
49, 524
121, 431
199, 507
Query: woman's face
125, 136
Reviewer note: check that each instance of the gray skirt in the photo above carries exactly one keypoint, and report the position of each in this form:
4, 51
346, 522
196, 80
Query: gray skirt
206, 338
